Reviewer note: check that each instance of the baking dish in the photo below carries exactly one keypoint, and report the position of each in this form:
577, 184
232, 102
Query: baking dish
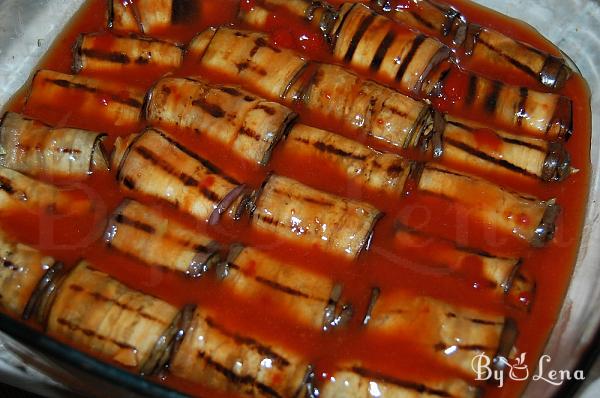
30, 27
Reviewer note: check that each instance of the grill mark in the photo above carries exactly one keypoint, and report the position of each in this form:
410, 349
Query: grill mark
395, 168
71, 151
419, 39
128, 182
422, 20
242, 66
514, 141
6, 185
6, 263
382, 50
248, 132
79, 86
262, 42
471, 90
99, 297
514, 62
114, 57
142, 60
484, 156
262, 349
492, 99
303, 198
186, 179
409, 385
357, 37
484, 322
282, 288
212, 109
395, 111
323, 147
267, 109
234, 378
522, 112
267, 219
231, 91
336, 34
123, 219
90, 333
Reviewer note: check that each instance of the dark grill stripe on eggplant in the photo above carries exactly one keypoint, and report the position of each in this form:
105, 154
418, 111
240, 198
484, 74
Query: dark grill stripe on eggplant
154, 164
103, 52
98, 313
452, 335
356, 381
213, 355
21, 270
147, 235
303, 215
151, 16
485, 45
31, 147
94, 98
249, 125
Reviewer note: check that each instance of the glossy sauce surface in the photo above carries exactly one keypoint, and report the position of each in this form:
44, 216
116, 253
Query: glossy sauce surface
70, 238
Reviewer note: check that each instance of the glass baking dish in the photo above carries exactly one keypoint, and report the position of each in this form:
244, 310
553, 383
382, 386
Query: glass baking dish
29, 27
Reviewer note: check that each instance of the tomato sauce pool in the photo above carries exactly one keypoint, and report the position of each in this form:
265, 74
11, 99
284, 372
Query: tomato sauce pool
383, 265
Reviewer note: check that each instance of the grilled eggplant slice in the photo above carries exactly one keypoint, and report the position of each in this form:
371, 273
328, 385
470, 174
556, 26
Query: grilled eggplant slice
298, 213
22, 269
307, 295
154, 164
104, 52
145, 234
355, 381
150, 16
98, 313
526, 217
451, 334
226, 360
91, 98
485, 45
35, 148
19, 192
249, 125
505, 275
383, 172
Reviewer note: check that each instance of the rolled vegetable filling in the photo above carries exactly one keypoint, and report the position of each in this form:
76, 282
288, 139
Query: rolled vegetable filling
313, 218
250, 126
19, 192
88, 97
154, 164
148, 16
228, 361
31, 147
383, 172
451, 334
526, 217
486, 45
313, 299
98, 313
21, 271
103, 52
145, 234
355, 381
504, 275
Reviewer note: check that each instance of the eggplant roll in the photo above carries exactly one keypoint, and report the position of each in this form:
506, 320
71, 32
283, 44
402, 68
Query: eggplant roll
328, 90
148, 16
19, 192
544, 115
22, 269
145, 234
355, 381
526, 217
226, 360
486, 45
451, 334
103, 52
98, 313
314, 300
471, 145
382, 172
154, 164
250, 126
89, 97
31, 147
504, 275
299, 213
